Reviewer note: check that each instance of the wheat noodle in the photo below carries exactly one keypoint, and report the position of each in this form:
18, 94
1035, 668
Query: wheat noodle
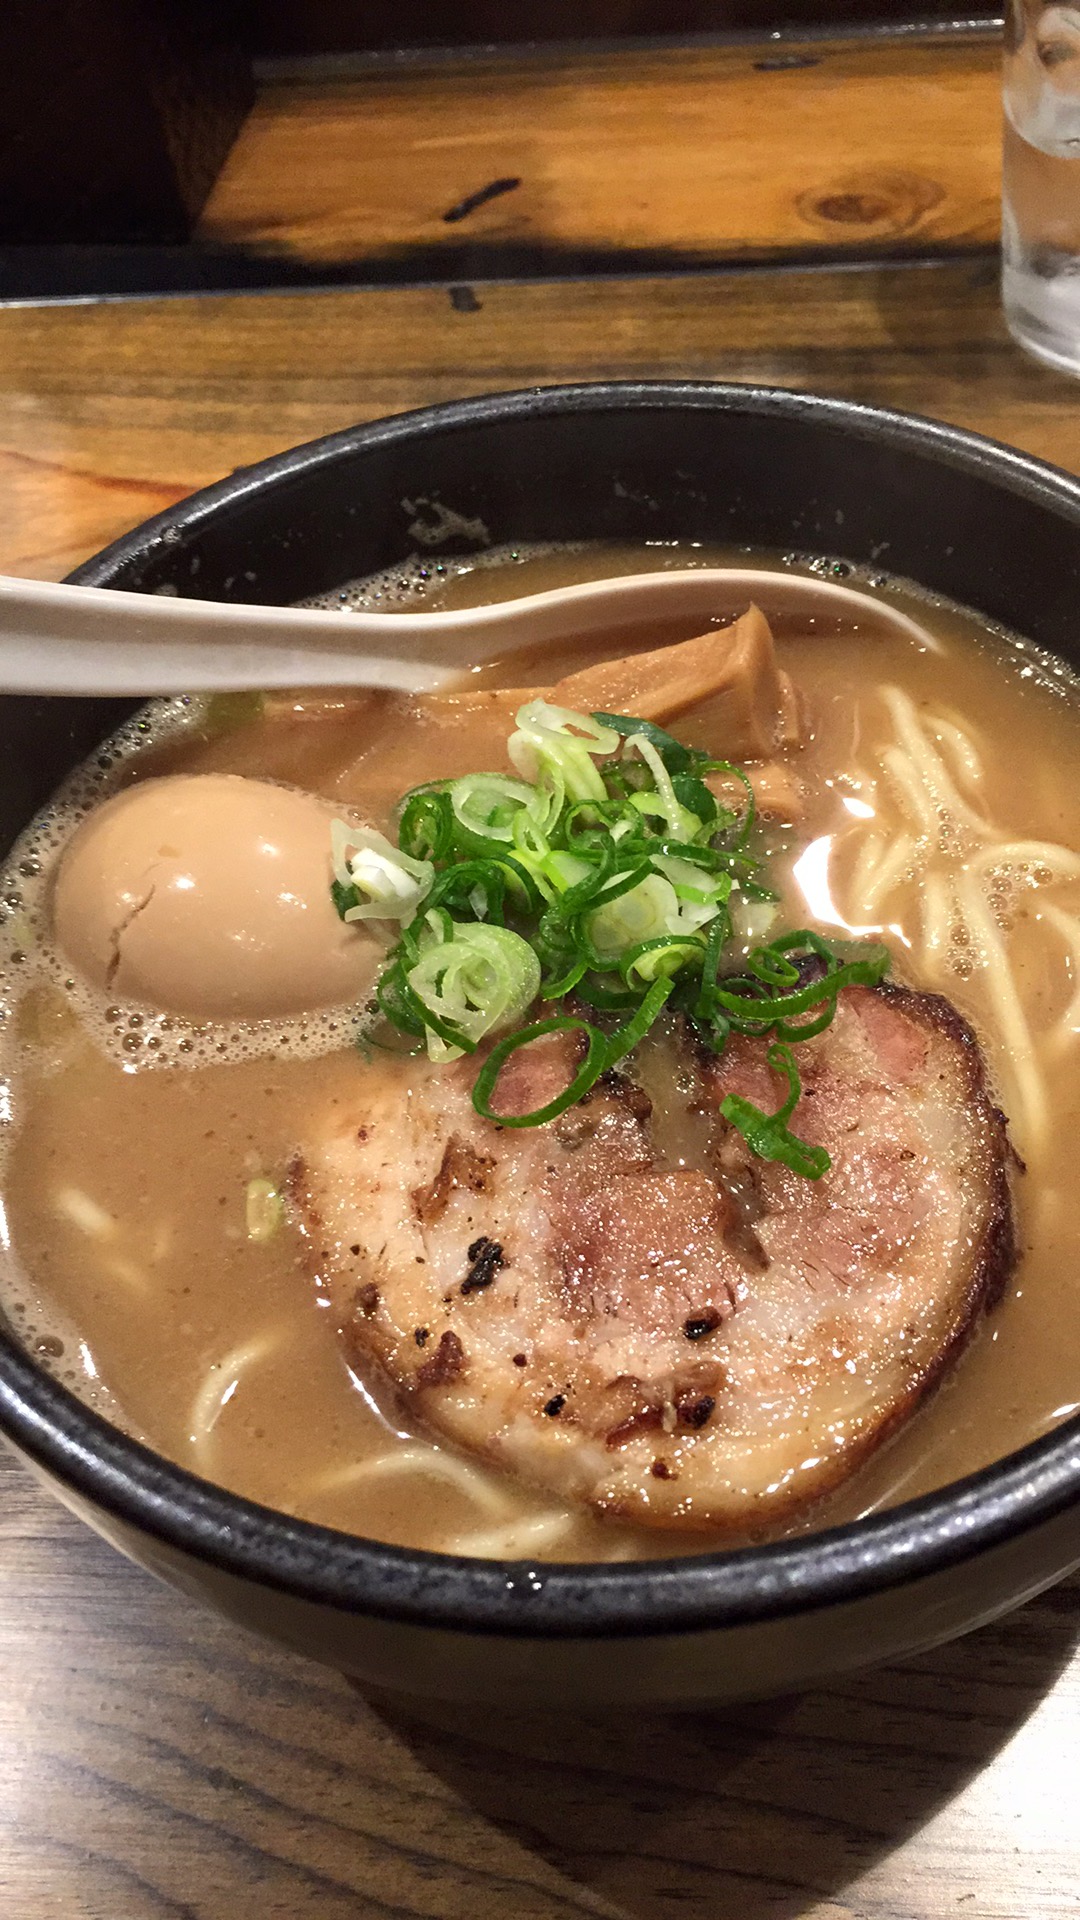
470, 1482
968, 872
221, 1383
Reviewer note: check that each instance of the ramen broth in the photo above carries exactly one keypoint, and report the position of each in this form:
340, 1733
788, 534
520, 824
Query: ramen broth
131, 1139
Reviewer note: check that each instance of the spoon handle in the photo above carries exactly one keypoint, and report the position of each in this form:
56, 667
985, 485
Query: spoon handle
57, 639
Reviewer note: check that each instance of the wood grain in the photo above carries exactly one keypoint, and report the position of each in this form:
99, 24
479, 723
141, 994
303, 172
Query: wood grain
155, 1763
108, 413
695, 153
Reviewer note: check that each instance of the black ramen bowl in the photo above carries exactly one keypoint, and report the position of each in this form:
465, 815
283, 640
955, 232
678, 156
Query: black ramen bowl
971, 520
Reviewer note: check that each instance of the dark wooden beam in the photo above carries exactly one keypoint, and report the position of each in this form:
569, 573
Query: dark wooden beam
115, 115
351, 26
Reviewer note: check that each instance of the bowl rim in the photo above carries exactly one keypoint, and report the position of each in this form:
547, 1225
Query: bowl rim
548, 1600
1017, 472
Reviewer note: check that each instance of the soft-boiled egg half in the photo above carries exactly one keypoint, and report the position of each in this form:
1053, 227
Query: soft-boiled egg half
208, 896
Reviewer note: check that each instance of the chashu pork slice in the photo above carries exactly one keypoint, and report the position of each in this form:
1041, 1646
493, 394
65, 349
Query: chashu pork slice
689, 1346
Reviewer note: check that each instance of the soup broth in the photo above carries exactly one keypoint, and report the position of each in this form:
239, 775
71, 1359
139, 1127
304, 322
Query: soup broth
131, 1140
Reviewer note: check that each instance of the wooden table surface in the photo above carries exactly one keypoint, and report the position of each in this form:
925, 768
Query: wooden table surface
156, 1763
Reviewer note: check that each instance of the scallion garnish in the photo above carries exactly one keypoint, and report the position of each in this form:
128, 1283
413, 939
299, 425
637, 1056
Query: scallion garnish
264, 1208
469, 979
605, 867
768, 1134
374, 880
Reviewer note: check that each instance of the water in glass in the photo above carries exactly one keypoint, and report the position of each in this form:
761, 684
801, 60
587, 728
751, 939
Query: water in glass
1041, 180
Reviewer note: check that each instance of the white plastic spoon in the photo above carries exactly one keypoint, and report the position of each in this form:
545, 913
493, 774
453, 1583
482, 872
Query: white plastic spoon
96, 640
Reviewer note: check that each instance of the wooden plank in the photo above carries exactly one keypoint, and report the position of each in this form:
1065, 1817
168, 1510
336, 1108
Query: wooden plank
109, 413
693, 153
158, 1764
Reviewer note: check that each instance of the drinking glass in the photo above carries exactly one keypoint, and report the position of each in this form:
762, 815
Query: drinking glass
1041, 180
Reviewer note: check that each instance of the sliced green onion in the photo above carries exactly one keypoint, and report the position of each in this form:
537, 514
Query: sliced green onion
693, 886
461, 885
566, 870
565, 982
264, 1209
772, 966
677, 817
700, 802
586, 1076
661, 958
645, 912
768, 1134
749, 997
375, 880
480, 979
676, 757
401, 1005
810, 1025
426, 825
604, 866
486, 805
625, 1038
558, 742
605, 992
